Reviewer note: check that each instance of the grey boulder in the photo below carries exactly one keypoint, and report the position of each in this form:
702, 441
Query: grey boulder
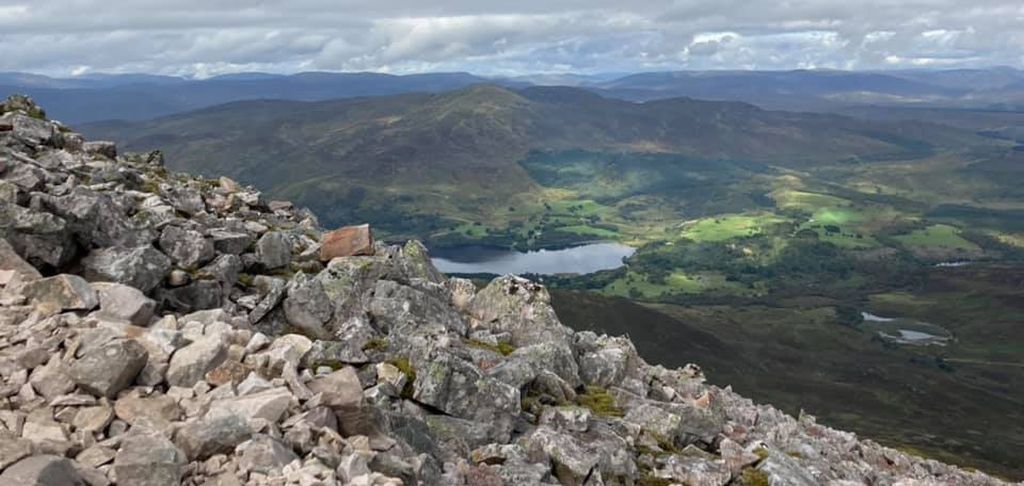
42, 470
149, 460
110, 368
274, 250
189, 364
189, 249
122, 303
141, 267
62, 292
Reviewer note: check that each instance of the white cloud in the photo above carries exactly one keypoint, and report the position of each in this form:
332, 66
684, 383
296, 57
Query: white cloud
206, 37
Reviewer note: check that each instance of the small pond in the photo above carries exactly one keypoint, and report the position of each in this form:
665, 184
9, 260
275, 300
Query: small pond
578, 259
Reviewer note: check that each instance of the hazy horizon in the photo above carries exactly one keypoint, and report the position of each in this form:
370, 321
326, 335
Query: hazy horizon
537, 74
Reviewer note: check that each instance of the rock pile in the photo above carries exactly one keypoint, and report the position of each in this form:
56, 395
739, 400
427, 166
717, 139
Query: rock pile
161, 329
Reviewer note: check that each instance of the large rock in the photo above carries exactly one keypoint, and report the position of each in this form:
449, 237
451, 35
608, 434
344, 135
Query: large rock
519, 307
269, 405
224, 269
97, 219
415, 262
101, 147
572, 460
307, 307
110, 368
343, 393
401, 309
264, 454
212, 434
122, 303
53, 379
141, 267
189, 249
458, 388
149, 460
11, 260
32, 130
607, 366
190, 364
14, 450
156, 411
62, 292
42, 238
196, 296
346, 241
273, 290
341, 390
274, 250
230, 242
42, 470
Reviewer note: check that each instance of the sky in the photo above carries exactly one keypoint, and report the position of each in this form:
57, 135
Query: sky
203, 38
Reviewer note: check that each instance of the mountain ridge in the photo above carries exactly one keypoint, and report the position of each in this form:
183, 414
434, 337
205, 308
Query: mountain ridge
477, 137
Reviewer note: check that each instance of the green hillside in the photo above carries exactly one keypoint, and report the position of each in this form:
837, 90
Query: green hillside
433, 166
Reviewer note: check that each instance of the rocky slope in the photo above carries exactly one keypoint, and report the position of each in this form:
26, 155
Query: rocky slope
158, 329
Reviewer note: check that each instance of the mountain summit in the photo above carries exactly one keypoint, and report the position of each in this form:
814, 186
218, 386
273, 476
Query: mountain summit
161, 329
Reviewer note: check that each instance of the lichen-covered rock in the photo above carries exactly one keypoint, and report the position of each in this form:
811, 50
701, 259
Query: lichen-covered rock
307, 306
141, 267
458, 388
187, 248
401, 309
519, 307
274, 250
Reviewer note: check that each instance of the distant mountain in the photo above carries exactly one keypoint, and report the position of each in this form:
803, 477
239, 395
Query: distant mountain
142, 97
99, 97
460, 152
823, 90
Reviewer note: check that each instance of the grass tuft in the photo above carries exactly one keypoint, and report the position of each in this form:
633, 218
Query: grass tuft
599, 401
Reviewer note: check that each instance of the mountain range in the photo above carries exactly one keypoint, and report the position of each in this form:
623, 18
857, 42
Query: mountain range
98, 97
460, 153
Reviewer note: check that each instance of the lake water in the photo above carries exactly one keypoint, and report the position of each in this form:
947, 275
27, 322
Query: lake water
578, 259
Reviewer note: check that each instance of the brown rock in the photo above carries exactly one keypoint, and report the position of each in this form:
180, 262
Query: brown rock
228, 372
346, 241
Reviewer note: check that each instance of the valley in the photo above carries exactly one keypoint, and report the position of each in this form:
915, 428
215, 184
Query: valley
761, 238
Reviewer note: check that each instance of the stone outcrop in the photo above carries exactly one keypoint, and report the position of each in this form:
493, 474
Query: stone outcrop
204, 342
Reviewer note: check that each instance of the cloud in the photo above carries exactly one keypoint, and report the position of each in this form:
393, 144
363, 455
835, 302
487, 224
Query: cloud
208, 37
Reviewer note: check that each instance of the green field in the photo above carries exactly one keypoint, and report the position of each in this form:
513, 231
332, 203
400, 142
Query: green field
730, 226
937, 236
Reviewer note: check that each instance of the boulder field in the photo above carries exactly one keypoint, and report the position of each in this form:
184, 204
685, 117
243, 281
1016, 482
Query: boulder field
162, 329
